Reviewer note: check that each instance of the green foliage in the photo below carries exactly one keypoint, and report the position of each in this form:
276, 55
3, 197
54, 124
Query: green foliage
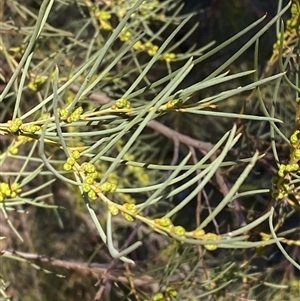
88, 108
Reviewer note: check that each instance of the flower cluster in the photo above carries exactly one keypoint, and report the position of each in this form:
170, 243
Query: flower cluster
18, 49
120, 8
108, 187
69, 117
145, 9
174, 103
9, 191
22, 131
291, 28
23, 139
169, 294
121, 103
90, 180
104, 17
168, 57
200, 234
30, 128
151, 48
293, 22
37, 82
13, 149
113, 209
147, 46
282, 183
132, 209
166, 222
125, 35
90, 177
14, 125
69, 164
211, 236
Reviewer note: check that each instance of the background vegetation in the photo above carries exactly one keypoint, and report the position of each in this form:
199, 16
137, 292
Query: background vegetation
149, 150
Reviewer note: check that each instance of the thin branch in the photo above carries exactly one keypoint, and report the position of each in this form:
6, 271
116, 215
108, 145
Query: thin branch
92, 268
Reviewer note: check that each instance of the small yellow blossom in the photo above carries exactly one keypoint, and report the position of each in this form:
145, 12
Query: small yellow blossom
169, 57
125, 35
36, 83
211, 236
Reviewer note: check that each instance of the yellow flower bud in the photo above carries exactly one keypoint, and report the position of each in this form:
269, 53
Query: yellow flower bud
165, 222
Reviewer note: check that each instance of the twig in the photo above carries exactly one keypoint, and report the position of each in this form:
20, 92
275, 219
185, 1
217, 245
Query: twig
92, 268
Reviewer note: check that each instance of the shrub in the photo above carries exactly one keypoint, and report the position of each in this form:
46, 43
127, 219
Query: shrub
128, 172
